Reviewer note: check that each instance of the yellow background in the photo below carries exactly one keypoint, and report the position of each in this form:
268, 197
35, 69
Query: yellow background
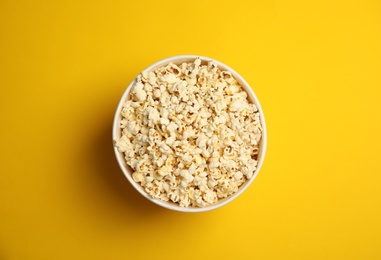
315, 67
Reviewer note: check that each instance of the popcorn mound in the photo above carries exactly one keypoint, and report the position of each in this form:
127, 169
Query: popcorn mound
189, 133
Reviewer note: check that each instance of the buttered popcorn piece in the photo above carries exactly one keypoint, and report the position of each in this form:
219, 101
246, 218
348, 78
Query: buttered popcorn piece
189, 133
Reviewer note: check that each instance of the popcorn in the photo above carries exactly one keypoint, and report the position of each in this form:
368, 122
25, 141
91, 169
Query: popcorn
165, 149
163, 171
140, 94
189, 133
138, 176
